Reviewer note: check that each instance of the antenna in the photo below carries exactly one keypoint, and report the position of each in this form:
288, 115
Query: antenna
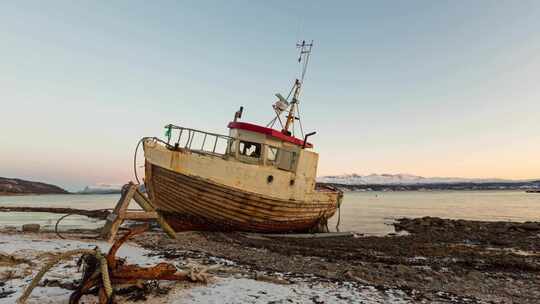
283, 104
303, 58
305, 52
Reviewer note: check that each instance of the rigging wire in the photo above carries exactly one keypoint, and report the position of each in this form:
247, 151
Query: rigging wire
271, 123
299, 119
290, 92
308, 54
293, 123
305, 53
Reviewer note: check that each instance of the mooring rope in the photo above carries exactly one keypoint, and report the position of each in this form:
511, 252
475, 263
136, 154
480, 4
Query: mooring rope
66, 215
104, 268
137, 149
339, 216
64, 256
135, 159
58, 222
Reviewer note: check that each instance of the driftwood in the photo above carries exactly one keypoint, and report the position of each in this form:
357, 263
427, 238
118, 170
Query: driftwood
100, 214
122, 273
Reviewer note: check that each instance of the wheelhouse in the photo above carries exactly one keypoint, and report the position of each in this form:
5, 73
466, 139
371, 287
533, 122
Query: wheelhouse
246, 143
265, 146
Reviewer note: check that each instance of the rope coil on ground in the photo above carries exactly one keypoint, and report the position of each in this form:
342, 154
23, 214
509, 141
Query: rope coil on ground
103, 266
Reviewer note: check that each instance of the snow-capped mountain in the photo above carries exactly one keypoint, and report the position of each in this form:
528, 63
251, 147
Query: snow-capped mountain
402, 179
101, 189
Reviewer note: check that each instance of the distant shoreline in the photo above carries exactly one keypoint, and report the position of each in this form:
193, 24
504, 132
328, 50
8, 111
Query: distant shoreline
37, 194
27, 194
515, 186
32, 194
344, 188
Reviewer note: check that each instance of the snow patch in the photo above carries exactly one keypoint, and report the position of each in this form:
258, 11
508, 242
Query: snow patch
250, 291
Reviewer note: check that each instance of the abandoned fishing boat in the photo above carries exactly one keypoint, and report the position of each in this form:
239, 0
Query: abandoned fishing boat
256, 178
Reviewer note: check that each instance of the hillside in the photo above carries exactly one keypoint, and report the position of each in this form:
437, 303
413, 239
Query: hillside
14, 186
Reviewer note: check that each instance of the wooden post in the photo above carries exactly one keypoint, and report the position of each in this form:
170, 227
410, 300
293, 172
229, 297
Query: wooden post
147, 206
120, 213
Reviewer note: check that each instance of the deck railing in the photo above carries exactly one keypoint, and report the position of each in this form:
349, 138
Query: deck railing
197, 140
219, 145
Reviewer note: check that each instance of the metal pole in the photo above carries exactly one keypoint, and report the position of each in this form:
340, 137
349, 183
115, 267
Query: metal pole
204, 140
215, 144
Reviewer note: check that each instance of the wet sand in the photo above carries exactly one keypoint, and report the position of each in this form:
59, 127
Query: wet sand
440, 261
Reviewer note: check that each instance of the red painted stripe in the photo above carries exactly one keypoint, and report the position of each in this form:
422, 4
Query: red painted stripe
267, 131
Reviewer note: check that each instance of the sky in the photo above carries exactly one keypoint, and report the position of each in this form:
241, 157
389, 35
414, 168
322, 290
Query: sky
433, 88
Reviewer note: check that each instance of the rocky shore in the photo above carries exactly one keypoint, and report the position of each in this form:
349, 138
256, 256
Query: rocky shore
437, 261
440, 260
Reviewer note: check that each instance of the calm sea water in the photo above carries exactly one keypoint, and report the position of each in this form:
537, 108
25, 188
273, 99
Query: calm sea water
364, 212
373, 212
48, 220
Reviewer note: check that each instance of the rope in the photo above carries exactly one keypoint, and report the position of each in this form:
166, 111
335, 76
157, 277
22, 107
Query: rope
137, 149
58, 222
339, 217
300, 120
103, 266
64, 256
66, 215
135, 160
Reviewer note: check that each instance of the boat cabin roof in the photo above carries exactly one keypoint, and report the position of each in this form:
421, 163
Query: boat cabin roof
268, 132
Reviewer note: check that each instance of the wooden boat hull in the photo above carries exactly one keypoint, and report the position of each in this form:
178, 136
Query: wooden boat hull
194, 203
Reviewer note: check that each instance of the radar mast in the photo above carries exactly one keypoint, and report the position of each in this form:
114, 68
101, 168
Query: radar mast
292, 107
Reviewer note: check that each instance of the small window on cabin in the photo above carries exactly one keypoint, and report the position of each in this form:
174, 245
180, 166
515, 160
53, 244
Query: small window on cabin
286, 160
250, 149
271, 154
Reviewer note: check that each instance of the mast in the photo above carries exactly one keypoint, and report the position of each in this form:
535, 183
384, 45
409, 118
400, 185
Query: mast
305, 52
290, 116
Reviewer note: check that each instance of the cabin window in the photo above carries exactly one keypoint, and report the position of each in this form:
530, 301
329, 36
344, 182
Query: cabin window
271, 154
250, 149
286, 160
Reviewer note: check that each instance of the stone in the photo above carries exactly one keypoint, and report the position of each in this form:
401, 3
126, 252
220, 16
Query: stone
259, 276
31, 227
